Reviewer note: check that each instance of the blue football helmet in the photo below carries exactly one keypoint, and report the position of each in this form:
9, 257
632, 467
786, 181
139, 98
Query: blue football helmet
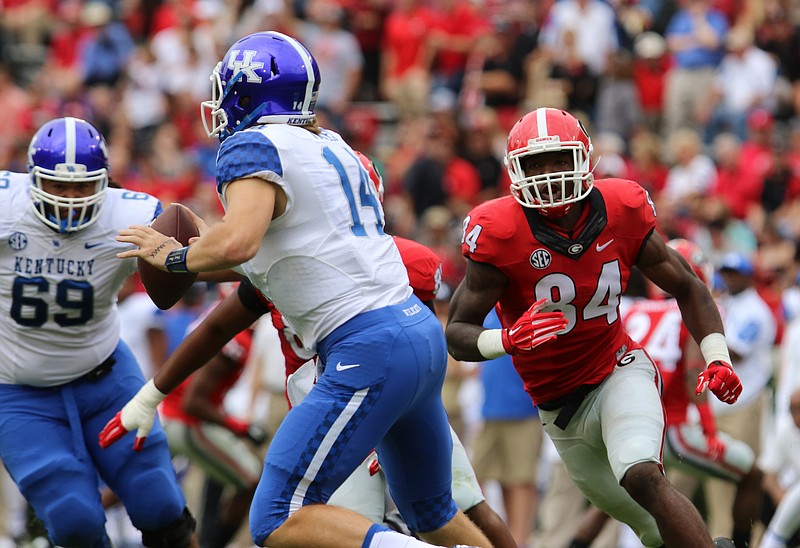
68, 150
265, 78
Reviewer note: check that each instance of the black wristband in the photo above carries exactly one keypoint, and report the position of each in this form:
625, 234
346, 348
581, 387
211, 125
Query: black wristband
176, 260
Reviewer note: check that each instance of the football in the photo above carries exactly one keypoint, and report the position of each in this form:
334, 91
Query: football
167, 288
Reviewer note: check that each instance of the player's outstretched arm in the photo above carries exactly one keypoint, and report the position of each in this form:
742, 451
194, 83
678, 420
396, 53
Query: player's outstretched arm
199, 346
670, 271
226, 244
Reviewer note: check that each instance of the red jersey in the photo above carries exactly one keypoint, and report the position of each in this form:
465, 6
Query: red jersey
582, 275
424, 275
294, 354
424, 268
657, 325
237, 350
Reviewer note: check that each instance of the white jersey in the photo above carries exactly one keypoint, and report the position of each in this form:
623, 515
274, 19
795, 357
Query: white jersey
58, 292
326, 258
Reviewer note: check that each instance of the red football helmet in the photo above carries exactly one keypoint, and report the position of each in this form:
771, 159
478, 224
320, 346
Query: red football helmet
377, 180
695, 257
549, 130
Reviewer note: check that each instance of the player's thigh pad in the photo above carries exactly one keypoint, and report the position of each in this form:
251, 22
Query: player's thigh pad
631, 414
42, 447
381, 369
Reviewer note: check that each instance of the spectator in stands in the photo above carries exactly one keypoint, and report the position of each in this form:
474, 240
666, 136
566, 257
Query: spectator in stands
650, 67
693, 173
737, 184
619, 110
337, 52
407, 56
107, 47
646, 165
696, 37
744, 81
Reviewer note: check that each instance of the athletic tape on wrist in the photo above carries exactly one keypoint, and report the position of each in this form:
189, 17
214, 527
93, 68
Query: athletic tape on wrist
490, 344
714, 348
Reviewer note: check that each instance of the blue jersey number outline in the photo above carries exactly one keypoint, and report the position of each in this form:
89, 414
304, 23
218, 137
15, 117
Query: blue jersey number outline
366, 192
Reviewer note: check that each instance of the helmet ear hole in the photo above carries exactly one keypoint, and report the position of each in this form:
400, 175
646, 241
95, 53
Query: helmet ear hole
244, 101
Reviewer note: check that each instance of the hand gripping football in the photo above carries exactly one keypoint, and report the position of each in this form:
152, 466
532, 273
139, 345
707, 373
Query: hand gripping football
167, 288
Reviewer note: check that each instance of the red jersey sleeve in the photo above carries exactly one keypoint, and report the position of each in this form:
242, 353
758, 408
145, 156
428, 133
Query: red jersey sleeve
424, 268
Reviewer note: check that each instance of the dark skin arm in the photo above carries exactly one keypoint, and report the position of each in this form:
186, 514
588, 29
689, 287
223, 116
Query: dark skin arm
668, 270
472, 300
197, 399
201, 345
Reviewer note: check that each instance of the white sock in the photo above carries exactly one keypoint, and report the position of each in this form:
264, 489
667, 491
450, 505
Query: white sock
393, 539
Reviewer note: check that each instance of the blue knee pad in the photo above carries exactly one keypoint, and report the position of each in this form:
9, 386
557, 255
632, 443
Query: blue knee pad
75, 522
152, 498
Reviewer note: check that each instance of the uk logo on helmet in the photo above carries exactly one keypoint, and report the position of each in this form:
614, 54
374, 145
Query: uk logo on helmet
246, 65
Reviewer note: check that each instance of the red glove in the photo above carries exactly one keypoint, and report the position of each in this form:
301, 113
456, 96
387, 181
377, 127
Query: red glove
243, 429
715, 447
532, 329
138, 414
720, 379
237, 426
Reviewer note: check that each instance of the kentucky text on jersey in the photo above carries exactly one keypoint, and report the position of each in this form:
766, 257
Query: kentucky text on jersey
49, 265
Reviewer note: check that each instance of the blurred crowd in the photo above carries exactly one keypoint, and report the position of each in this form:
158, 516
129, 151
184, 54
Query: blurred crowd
697, 100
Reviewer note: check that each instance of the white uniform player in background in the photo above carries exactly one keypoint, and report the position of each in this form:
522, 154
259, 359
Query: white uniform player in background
63, 369
303, 221
781, 464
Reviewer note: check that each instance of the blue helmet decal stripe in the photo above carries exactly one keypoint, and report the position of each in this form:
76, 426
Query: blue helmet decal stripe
245, 153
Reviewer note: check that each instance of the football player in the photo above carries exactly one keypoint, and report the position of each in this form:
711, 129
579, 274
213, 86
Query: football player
692, 446
781, 464
64, 371
304, 225
556, 255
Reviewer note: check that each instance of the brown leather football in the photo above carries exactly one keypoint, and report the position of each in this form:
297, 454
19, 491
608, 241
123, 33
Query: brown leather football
167, 288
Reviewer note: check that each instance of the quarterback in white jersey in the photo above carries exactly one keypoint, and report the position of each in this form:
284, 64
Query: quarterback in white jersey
63, 369
303, 220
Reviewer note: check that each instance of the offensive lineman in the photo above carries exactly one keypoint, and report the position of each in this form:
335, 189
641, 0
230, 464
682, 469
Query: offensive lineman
64, 371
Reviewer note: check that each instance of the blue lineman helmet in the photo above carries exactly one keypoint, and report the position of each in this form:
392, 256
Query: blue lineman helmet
266, 77
68, 150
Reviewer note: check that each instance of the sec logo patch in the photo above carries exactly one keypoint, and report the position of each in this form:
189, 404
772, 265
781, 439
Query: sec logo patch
541, 259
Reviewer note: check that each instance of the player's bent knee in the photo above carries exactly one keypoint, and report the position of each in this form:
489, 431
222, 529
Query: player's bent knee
164, 504
74, 521
177, 534
641, 479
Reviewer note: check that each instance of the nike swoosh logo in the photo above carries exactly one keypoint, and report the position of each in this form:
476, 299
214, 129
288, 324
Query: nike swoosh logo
90, 246
512, 331
605, 245
340, 367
